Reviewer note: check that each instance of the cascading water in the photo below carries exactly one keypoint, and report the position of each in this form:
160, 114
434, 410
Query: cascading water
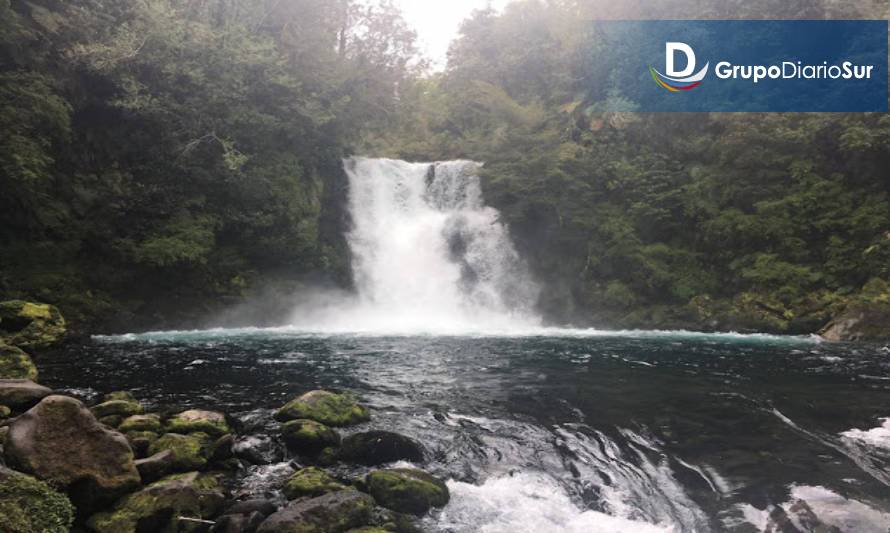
428, 255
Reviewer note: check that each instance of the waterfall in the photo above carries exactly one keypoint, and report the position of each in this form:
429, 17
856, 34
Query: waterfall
428, 255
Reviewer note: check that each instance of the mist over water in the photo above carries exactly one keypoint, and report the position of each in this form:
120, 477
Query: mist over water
428, 256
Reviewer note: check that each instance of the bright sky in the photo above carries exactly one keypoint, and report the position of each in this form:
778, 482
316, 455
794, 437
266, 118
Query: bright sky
437, 22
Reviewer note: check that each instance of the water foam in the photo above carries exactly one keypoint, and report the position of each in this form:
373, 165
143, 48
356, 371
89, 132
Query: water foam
528, 502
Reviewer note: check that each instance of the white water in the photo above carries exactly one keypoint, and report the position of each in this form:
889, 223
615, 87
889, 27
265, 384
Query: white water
428, 256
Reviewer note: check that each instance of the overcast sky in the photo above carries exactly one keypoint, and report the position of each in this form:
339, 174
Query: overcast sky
437, 21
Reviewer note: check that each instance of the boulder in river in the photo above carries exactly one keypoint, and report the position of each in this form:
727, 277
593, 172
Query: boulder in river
16, 364
61, 442
311, 481
150, 422
190, 452
335, 512
407, 490
308, 436
27, 504
21, 394
121, 408
379, 447
326, 407
30, 325
258, 449
866, 317
159, 507
199, 421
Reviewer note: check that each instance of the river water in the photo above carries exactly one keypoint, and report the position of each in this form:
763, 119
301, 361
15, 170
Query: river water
562, 431
537, 429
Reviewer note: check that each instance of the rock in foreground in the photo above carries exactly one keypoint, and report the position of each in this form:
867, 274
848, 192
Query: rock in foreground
61, 442
332, 513
159, 506
21, 393
331, 409
27, 504
407, 490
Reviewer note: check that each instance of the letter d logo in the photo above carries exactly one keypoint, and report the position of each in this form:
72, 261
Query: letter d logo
677, 81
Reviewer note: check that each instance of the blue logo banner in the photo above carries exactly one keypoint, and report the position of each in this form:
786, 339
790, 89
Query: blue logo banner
741, 65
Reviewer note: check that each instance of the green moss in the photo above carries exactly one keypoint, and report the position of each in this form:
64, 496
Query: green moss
197, 421
30, 325
119, 395
325, 407
308, 436
407, 490
189, 451
157, 506
311, 481
141, 423
5, 411
16, 364
30, 506
111, 421
121, 408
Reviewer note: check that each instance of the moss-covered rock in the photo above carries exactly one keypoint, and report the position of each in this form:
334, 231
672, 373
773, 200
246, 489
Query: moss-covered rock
311, 481
308, 436
16, 364
140, 441
61, 442
30, 325
112, 421
369, 529
199, 421
148, 422
158, 507
379, 447
190, 452
325, 407
121, 408
864, 317
4, 412
28, 505
334, 512
407, 490
122, 395
155, 467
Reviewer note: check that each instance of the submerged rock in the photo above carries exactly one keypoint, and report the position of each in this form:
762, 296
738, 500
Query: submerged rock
335, 512
379, 447
308, 437
29, 505
258, 450
325, 407
30, 325
190, 452
158, 507
148, 422
310, 481
199, 421
407, 490
21, 393
16, 364
61, 442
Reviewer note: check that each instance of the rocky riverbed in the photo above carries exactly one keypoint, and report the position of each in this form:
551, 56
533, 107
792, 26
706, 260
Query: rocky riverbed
116, 467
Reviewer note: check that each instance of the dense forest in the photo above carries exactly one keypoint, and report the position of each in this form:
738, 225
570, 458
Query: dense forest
161, 160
